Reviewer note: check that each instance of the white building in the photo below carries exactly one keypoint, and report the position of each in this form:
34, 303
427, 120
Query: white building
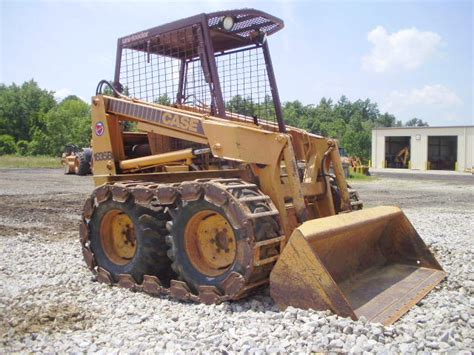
430, 148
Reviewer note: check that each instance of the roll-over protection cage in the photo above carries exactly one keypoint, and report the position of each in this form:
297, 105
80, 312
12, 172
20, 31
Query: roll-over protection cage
217, 63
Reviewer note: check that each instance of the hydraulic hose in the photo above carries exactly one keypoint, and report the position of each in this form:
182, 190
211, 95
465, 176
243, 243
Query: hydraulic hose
100, 87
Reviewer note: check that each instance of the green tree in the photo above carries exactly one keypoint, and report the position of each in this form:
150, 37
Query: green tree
69, 122
108, 91
71, 97
387, 120
344, 109
242, 106
7, 144
163, 100
349, 122
22, 147
416, 122
320, 116
295, 113
22, 109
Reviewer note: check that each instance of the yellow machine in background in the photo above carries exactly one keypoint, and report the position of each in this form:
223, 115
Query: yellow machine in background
76, 161
403, 157
358, 167
212, 196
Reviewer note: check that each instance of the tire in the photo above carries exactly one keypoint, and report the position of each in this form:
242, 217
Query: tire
267, 227
184, 263
149, 233
356, 202
353, 197
83, 165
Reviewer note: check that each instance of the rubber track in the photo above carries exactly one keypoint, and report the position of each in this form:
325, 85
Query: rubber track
158, 196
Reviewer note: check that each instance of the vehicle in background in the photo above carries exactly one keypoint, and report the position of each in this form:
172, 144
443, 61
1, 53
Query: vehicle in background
76, 160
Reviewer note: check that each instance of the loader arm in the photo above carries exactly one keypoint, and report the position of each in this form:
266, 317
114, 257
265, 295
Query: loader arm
228, 140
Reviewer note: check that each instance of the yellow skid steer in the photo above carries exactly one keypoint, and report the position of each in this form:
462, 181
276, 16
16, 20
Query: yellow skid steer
204, 193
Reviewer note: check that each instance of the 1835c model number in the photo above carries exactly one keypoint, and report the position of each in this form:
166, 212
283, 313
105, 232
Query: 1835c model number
103, 156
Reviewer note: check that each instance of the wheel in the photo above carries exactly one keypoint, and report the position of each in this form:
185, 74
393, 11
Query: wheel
204, 245
267, 227
206, 248
82, 165
356, 203
127, 238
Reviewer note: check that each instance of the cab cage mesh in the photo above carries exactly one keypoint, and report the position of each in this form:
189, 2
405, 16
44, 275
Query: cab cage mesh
152, 71
171, 68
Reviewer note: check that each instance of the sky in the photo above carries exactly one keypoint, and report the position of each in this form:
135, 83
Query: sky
413, 58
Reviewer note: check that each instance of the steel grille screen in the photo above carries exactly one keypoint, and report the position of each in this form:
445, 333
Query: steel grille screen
152, 78
151, 71
167, 69
244, 82
197, 92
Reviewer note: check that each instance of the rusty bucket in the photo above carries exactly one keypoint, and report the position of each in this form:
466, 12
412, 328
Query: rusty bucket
369, 263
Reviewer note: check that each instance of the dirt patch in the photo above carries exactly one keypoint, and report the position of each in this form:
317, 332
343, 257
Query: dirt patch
23, 321
49, 216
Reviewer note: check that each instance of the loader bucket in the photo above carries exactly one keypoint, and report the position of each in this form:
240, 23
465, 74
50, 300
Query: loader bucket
369, 263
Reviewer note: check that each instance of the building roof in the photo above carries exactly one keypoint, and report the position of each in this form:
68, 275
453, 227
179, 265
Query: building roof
424, 127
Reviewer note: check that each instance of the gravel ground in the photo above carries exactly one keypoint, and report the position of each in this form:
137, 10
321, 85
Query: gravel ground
48, 302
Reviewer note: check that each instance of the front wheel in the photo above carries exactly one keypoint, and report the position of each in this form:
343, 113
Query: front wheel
356, 202
213, 236
204, 245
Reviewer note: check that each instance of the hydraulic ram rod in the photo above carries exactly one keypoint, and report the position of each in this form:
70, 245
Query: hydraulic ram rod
157, 159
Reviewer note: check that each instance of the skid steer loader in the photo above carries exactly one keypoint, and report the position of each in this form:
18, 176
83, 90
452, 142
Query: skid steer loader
75, 160
211, 196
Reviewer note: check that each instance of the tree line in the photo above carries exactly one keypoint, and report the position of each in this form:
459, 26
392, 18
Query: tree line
351, 123
32, 122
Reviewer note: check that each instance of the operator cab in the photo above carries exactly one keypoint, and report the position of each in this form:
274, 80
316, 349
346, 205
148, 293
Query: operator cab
217, 63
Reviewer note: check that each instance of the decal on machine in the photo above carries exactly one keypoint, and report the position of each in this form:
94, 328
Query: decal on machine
182, 122
153, 114
99, 129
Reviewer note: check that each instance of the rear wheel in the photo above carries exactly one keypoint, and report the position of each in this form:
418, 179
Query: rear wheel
82, 165
118, 237
127, 238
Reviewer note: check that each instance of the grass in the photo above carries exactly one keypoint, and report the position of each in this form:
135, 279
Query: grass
40, 161
360, 177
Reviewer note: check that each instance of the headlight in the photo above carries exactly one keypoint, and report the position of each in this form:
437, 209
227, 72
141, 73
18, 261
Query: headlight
228, 23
